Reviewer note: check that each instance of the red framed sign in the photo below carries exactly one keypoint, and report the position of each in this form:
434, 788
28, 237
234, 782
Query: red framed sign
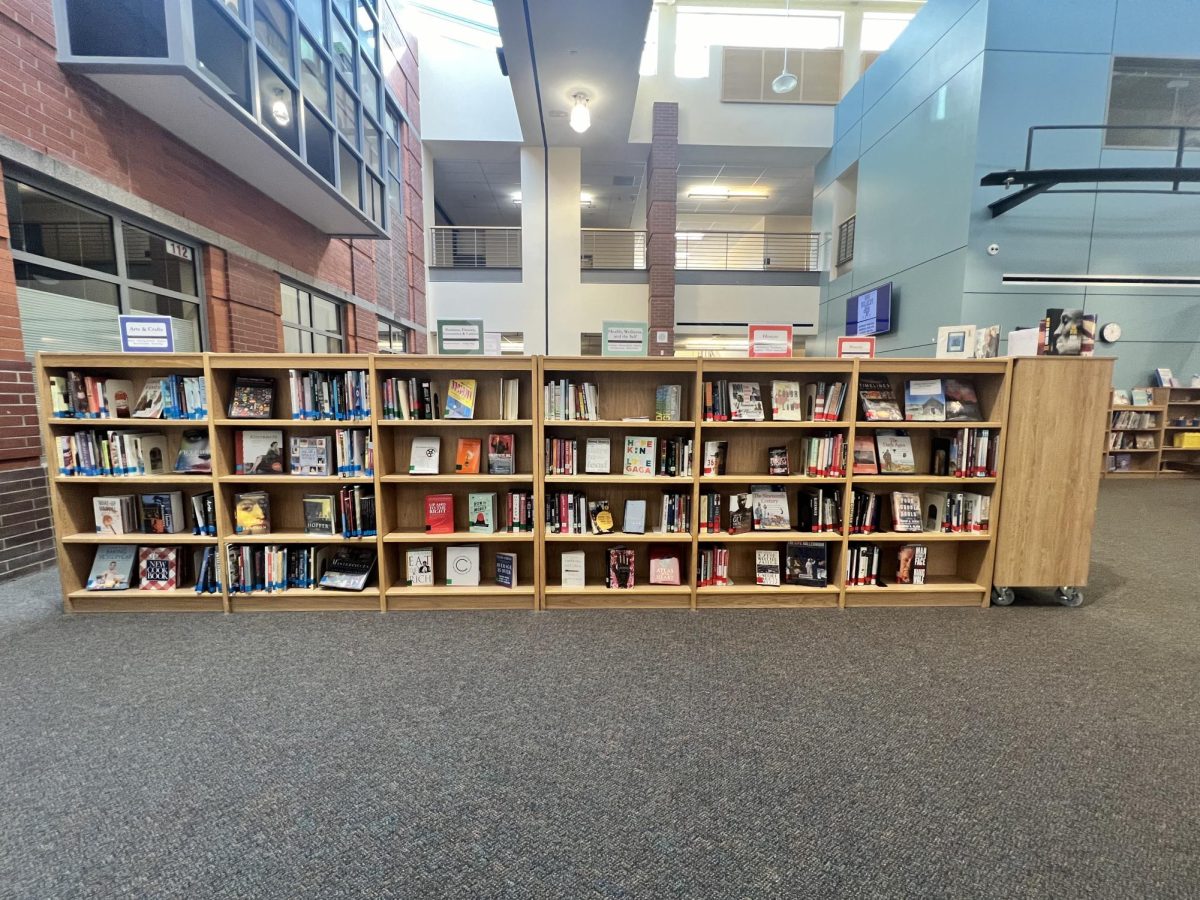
851, 347
770, 340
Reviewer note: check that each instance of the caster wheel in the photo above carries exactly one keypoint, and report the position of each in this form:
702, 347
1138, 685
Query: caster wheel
1069, 596
1003, 596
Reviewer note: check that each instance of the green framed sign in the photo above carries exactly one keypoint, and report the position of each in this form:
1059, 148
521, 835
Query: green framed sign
460, 337
625, 339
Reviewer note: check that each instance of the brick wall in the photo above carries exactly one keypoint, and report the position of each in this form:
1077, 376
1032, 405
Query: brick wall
660, 226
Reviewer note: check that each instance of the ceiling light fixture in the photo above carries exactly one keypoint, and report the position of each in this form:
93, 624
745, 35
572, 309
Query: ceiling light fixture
785, 82
720, 193
280, 111
689, 235
581, 117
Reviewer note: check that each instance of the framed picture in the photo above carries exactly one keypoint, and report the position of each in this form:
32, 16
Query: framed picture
956, 342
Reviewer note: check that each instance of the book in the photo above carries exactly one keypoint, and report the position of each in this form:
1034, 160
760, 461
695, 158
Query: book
924, 400
741, 514
462, 565
258, 452
667, 402
1142, 397
115, 515
163, 513
309, 456
865, 462
906, 511
418, 567
112, 567
1165, 378
770, 510
439, 513
913, 559
506, 570
481, 510
878, 401
766, 567
319, 513
600, 517
252, 513
1065, 332
620, 568
777, 461
715, 455
252, 398
194, 457
149, 404
500, 454
572, 569
510, 393
806, 563
634, 520
118, 394
962, 403
349, 568
466, 456
745, 402
152, 450
597, 456
935, 504
460, 398
987, 342
424, 456
786, 403
664, 566
640, 455
895, 453
158, 568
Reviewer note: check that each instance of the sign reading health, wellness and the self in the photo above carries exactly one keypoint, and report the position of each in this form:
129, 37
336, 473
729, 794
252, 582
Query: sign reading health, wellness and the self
146, 334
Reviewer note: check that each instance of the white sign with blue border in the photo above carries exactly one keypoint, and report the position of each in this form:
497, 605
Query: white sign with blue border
146, 334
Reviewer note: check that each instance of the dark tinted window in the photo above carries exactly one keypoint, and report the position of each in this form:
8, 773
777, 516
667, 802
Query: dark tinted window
46, 225
158, 261
117, 28
1153, 92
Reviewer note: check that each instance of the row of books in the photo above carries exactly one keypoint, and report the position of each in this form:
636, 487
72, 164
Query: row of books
341, 396
119, 567
92, 453
565, 400
569, 512
620, 567
741, 401
350, 512
417, 398
158, 513
271, 568
1129, 440
260, 452
863, 565
949, 512
925, 400
965, 453
766, 508
484, 514
425, 455
1135, 397
77, 396
804, 563
462, 567
1129, 419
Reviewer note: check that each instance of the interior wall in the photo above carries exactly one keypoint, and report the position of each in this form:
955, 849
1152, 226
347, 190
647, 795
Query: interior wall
745, 304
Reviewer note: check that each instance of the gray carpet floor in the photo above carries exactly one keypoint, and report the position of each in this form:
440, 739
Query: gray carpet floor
1025, 752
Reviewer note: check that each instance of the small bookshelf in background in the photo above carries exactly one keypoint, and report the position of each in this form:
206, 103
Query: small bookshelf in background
1181, 431
1134, 440
618, 434
457, 467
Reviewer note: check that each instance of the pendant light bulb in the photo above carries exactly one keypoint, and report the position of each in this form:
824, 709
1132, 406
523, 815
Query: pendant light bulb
581, 117
785, 82
280, 111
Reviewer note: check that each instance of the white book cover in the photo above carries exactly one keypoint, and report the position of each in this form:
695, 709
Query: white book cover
462, 565
152, 452
110, 518
640, 456
597, 456
573, 569
786, 403
425, 456
634, 521
418, 565
745, 401
261, 452
766, 567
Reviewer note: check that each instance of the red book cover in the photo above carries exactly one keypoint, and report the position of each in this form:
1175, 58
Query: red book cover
439, 513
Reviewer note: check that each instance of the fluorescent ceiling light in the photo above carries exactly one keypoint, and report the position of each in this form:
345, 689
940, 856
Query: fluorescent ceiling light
585, 199
1170, 281
581, 117
720, 193
516, 198
689, 235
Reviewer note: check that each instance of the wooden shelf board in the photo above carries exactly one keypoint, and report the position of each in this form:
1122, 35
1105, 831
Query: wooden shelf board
618, 600
1182, 402
1169, 450
953, 426
619, 479
1135, 449
749, 596
295, 479
763, 477
1181, 428
1152, 473
514, 599
293, 423
456, 423
292, 536
770, 423
149, 540
920, 479
936, 584
134, 479
920, 537
966, 597
179, 600
295, 600
618, 537
594, 590
139, 424
466, 537
1129, 406
94, 362
1135, 429
456, 479
618, 423
477, 590
769, 537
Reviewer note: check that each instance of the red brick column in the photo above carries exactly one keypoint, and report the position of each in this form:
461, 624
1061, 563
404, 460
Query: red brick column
660, 226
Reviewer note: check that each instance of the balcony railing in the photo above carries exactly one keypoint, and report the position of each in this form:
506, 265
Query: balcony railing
845, 244
455, 247
612, 248
746, 251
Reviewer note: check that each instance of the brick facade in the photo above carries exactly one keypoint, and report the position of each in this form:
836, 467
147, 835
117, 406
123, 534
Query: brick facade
67, 119
660, 226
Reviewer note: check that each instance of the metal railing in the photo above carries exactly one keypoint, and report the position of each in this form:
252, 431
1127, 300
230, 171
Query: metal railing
612, 248
746, 251
845, 244
458, 247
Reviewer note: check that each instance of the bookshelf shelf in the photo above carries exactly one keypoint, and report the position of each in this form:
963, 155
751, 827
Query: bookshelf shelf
618, 537
768, 537
476, 590
632, 425
790, 426
166, 540
293, 536
132, 480
455, 423
130, 423
456, 479
948, 480
294, 479
629, 480
328, 424
764, 478
456, 537
935, 584
920, 537
921, 426
640, 590
178, 600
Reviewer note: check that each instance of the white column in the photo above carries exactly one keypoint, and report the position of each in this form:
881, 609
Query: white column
562, 249
852, 19
533, 247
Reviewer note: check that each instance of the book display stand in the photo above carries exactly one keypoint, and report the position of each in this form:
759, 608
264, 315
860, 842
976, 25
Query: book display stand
454, 511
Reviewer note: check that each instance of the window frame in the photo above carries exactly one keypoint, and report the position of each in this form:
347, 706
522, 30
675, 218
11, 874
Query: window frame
392, 327
118, 217
1107, 140
302, 291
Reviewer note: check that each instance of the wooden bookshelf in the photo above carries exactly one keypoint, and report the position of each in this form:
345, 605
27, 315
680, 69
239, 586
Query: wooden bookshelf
1181, 415
959, 568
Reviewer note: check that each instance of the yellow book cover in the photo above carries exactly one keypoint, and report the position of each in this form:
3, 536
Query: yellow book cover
460, 399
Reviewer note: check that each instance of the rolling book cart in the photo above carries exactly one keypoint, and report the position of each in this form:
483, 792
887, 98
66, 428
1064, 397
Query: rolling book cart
1049, 417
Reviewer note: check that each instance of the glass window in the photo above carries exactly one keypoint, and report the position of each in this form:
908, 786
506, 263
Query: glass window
314, 76
346, 8
62, 311
347, 113
367, 30
311, 323
393, 338
277, 105
312, 16
185, 317
880, 30
1153, 92
375, 200
136, 28
45, 225
318, 144
368, 87
343, 52
698, 29
222, 52
155, 260
273, 28
348, 172
371, 149
68, 284
234, 7
649, 64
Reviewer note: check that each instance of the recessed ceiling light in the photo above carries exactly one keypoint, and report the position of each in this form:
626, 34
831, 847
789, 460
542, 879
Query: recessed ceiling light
721, 193
581, 117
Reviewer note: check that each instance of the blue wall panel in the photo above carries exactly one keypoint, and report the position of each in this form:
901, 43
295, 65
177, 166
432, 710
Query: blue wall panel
1058, 26
1157, 28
